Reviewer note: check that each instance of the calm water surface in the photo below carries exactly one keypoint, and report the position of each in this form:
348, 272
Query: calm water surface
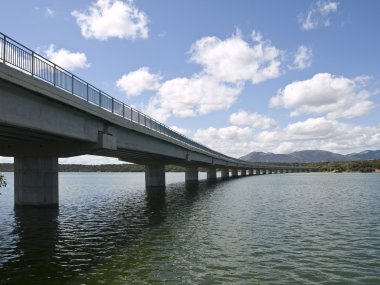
274, 229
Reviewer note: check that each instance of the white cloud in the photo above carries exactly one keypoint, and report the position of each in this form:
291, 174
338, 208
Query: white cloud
112, 18
322, 133
234, 59
49, 12
89, 160
252, 119
313, 133
182, 131
324, 93
231, 140
318, 15
66, 59
135, 82
189, 97
303, 57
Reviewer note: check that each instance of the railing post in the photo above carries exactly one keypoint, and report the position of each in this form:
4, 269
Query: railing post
33, 63
112, 103
100, 99
87, 91
72, 84
54, 74
5, 45
123, 110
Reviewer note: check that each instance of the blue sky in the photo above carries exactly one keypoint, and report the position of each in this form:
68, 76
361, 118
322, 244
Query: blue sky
238, 76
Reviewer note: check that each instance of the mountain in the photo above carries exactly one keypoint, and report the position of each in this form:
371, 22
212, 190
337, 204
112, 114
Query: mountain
310, 156
365, 155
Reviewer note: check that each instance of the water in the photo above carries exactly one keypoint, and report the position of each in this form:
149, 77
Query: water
274, 229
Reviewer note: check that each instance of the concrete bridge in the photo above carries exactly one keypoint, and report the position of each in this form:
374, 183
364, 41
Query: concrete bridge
47, 112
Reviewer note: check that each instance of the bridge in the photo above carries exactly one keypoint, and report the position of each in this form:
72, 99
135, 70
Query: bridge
47, 112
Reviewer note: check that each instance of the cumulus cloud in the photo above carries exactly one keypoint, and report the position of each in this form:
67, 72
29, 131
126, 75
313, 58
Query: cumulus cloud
252, 119
322, 133
313, 133
112, 18
234, 59
324, 93
230, 140
189, 97
66, 59
135, 82
182, 131
319, 15
303, 57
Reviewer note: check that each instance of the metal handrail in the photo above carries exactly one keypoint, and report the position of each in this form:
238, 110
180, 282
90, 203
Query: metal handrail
26, 60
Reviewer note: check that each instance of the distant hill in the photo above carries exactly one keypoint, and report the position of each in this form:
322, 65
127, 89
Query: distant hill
365, 155
310, 156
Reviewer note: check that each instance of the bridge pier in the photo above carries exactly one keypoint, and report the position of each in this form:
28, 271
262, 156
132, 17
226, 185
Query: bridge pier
191, 174
211, 174
234, 173
36, 181
225, 173
243, 172
155, 176
257, 171
250, 172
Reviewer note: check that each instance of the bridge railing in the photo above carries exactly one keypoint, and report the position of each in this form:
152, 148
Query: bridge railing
24, 59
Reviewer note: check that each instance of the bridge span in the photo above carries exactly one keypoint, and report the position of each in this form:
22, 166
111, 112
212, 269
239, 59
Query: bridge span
47, 112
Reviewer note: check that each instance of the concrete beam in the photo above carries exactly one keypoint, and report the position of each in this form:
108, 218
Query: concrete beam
155, 176
36, 181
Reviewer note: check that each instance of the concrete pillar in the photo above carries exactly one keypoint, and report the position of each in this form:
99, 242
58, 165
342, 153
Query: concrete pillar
225, 173
234, 173
243, 172
155, 175
211, 173
250, 172
36, 181
191, 174
257, 171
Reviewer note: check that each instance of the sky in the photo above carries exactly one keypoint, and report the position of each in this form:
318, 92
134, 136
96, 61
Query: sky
237, 76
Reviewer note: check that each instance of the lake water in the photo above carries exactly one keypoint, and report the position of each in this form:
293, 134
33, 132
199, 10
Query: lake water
305, 228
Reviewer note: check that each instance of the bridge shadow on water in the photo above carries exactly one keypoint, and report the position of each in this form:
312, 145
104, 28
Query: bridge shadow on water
53, 246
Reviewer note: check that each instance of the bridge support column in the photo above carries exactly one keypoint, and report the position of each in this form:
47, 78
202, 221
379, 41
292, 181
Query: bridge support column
234, 173
243, 172
257, 171
191, 174
36, 181
225, 173
155, 176
250, 172
211, 174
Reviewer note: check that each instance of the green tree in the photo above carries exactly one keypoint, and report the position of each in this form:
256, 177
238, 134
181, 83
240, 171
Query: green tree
3, 183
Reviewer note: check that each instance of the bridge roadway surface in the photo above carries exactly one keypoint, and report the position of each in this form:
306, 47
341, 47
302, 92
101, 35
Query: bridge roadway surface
43, 117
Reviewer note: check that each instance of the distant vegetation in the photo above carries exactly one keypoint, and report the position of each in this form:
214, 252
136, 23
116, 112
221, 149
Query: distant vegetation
341, 166
3, 183
348, 166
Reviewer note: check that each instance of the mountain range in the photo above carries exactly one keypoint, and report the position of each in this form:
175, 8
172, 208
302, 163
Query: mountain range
310, 156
